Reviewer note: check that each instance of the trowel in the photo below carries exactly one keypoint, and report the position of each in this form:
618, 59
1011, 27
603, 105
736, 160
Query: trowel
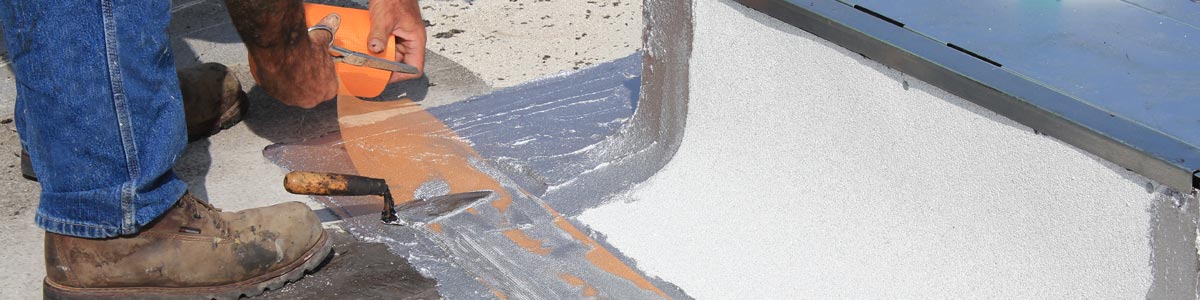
418, 211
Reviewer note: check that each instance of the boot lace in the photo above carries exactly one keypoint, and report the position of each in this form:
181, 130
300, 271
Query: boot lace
201, 210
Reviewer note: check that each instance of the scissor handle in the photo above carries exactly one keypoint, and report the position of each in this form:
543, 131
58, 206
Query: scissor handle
325, 28
356, 58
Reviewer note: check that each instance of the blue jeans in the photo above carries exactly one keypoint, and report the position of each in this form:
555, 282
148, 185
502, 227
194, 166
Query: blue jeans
98, 109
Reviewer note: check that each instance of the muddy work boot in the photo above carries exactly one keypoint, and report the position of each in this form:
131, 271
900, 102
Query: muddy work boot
213, 100
193, 251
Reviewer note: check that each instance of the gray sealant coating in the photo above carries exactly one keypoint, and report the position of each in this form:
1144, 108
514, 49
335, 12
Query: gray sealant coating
472, 257
543, 133
571, 139
472, 246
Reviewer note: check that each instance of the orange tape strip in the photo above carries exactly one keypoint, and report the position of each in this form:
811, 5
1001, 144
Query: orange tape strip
407, 146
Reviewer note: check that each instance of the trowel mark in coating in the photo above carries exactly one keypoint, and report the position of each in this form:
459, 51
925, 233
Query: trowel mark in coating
431, 188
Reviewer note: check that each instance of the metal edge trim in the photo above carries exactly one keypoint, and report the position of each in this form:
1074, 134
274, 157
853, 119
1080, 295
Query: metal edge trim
1128, 144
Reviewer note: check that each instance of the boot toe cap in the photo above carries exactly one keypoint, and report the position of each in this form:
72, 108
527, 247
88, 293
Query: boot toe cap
292, 227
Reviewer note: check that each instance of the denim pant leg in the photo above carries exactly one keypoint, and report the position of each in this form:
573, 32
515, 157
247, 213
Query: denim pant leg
98, 108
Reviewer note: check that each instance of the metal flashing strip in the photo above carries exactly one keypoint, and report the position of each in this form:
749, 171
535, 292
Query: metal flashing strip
1157, 143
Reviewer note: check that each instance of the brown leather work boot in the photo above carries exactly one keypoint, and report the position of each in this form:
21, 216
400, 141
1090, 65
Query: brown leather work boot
193, 251
213, 100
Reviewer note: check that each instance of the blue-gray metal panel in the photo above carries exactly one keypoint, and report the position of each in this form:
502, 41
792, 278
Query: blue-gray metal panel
1048, 109
1186, 11
1119, 57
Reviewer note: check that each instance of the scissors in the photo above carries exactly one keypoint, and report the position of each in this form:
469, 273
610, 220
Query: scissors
356, 58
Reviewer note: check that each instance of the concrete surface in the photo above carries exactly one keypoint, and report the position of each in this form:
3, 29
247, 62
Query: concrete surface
359, 270
511, 42
808, 171
229, 166
22, 247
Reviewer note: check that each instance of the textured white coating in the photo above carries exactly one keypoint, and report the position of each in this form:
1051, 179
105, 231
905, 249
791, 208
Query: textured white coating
808, 171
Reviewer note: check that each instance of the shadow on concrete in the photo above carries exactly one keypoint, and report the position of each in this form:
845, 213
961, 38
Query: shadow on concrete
444, 82
415, 90
279, 123
193, 167
201, 31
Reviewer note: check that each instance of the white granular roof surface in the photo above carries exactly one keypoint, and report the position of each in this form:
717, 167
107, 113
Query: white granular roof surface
807, 171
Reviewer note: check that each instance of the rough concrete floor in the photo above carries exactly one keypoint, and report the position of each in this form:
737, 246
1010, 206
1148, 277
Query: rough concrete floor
22, 247
360, 270
510, 42
493, 46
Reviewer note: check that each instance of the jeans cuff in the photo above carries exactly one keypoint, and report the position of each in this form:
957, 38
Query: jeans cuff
73, 229
100, 214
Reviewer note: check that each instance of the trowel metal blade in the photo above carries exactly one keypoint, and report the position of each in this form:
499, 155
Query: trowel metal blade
426, 210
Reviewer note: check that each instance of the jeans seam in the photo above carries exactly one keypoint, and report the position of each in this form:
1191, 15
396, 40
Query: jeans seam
111, 51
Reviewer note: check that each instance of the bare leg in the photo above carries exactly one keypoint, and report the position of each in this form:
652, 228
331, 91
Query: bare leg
292, 65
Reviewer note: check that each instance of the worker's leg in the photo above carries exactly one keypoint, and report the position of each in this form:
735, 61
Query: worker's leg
98, 111
100, 114
213, 100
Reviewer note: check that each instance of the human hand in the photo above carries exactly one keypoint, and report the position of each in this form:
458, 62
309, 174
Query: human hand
399, 19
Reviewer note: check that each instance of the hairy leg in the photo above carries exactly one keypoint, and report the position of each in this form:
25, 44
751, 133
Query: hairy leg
292, 65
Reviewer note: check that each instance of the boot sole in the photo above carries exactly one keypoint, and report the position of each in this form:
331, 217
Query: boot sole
27, 167
248, 288
231, 116
235, 112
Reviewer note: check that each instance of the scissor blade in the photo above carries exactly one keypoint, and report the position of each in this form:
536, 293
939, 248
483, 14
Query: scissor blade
360, 59
383, 64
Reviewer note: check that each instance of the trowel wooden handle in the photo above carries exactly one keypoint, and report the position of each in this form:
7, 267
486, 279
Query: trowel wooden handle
332, 184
